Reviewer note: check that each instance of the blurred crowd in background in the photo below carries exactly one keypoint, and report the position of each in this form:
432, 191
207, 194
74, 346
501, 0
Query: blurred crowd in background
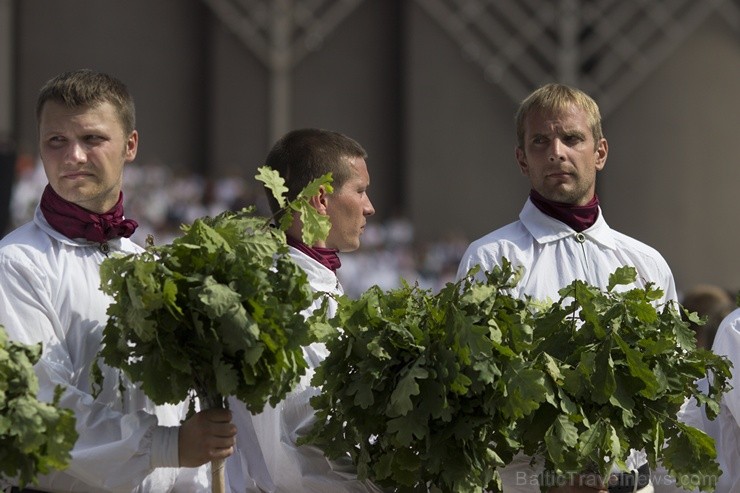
161, 200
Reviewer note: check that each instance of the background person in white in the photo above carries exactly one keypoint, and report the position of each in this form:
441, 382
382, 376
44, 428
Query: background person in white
725, 429
561, 234
51, 294
300, 157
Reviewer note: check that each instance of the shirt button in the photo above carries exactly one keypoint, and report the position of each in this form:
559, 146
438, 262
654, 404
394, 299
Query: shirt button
104, 248
580, 237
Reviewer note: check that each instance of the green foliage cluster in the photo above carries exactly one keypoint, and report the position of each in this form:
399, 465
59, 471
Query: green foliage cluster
35, 437
619, 370
218, 310
424, 391
433, 392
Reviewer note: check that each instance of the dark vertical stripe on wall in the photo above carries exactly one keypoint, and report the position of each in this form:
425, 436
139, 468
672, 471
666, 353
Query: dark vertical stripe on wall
8, 149
7, 169
202, 61
397, 130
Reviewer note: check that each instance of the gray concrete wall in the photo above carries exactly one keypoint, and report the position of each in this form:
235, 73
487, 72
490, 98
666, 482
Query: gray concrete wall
350, 85
155, 47
463, 176
673, 171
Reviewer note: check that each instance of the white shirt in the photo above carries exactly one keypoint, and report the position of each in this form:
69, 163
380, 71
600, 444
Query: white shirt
276, 463
725, 429
50, 293
553, 255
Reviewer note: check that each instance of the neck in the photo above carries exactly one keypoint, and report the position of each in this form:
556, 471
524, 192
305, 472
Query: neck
325, 256
578, 217
74, 221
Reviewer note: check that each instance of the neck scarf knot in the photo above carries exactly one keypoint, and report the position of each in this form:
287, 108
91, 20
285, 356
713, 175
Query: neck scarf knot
74, 221
325, 256
578, 217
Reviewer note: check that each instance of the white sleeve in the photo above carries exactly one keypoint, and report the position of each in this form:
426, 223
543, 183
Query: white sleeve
246, 468
115, 449
475, 255
302, 468
727, 343
316, 472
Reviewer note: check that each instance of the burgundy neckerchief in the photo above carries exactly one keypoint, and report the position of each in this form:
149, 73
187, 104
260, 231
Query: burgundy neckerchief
74, 221
325, 256
578, 217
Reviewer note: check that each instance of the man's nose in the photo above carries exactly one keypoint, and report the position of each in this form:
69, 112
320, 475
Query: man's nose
557, 151
76, 153
369, 209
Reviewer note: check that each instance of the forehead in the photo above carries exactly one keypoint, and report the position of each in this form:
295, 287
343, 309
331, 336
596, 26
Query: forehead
358, 170
569, 118
55, 113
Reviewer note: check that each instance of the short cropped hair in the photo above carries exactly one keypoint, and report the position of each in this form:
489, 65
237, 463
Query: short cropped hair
553, 98
85, 87
303, 155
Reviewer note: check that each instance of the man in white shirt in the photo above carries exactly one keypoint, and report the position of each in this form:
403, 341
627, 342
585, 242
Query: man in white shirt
561, 234
51, 294
277, 463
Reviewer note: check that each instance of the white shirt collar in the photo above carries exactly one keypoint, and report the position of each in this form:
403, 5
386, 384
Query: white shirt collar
546, 229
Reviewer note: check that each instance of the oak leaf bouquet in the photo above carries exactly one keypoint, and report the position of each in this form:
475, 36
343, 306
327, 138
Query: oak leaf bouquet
36, 437
619, 366
217, 312
425, 391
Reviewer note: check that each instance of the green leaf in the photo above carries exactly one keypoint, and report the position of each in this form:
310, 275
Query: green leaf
591, 440
314, 186
566, 431
405, 428
639, 370
526, 390
227, 378
622, 276
363, 393
315, 226
274, 182
687, 449
400, 402
603, 381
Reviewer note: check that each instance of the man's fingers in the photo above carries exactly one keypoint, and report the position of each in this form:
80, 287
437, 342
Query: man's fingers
206, 436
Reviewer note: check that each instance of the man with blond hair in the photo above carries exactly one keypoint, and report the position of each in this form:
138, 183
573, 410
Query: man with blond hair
562, 236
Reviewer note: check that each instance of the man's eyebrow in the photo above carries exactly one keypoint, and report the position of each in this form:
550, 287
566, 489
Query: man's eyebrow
574, 132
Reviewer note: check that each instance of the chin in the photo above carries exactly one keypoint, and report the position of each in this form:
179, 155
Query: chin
562, 196
350, 248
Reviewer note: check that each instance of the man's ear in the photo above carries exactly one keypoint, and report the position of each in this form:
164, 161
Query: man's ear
521, 159
602, 150
318, 201
132, 145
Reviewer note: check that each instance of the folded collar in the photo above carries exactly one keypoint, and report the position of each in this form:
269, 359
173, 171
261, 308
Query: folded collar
546, 229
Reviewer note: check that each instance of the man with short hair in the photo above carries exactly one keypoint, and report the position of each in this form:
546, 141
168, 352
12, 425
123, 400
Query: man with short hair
561, 235
51, 295
276, 463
